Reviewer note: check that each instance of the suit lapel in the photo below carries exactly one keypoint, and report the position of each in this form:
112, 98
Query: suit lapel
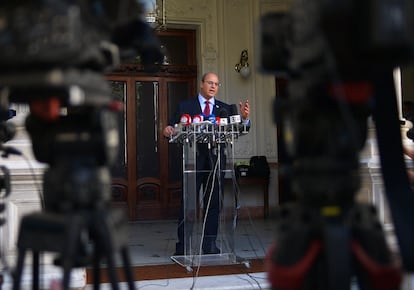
217, 107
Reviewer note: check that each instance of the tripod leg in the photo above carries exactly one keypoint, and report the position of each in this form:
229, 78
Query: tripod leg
375, 265
105, 246
96, 271
69, 252
338, 263
66, 277
111, 265
35, 266
127, 267
19, 269
109, 233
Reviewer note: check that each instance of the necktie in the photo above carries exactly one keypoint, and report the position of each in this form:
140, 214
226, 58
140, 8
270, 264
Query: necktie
207, 109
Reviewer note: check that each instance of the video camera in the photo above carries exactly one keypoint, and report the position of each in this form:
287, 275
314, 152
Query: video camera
338, 57
334, 55
53, 56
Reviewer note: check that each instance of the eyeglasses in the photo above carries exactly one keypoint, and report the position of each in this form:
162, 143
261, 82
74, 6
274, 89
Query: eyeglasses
213, 83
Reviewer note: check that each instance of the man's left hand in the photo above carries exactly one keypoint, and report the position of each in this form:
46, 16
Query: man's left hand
244, 109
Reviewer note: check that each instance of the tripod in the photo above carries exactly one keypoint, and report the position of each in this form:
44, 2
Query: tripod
43, 232
77, 222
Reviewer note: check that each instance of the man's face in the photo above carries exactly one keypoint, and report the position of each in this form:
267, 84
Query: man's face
210, 86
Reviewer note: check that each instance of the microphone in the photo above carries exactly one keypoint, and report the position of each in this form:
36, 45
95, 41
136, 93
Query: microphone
198, 118
234, 117
185, 119
211, 118
233, 109
223, 117
223, 113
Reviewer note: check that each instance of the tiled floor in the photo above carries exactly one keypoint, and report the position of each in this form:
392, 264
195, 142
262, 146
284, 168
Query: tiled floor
152, 243
224, 282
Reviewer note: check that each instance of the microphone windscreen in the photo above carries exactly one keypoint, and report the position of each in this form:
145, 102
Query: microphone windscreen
211, 118
234, 110
223, 113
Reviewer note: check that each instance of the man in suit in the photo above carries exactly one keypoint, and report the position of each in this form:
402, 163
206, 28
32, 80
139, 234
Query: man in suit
205, 103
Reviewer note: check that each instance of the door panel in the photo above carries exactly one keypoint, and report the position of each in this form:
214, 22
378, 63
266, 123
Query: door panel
147, 129
118, 168
177, 91
148, 184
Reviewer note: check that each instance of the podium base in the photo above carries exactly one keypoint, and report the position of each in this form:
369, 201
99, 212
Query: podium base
189, 261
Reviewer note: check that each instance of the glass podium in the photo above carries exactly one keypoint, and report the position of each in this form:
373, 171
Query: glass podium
219, 141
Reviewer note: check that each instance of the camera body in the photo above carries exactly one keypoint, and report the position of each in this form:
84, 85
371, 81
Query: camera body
46, 47
338, 58
53, 56
331, 52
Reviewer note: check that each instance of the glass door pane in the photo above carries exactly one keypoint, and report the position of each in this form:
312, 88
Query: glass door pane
118, 169
147, 129
177, 92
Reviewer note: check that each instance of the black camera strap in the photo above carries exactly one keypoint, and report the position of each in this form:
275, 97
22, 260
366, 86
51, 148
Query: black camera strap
398, 191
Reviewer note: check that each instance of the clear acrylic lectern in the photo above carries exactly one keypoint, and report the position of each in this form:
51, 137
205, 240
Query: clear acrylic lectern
220, 140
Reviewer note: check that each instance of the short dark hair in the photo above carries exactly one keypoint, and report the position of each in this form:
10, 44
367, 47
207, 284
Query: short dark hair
203, 77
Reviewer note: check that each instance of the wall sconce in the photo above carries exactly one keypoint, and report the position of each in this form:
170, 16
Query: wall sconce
243, 66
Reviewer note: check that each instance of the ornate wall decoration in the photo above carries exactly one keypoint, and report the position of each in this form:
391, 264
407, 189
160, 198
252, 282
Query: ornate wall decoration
189, 8
237, 3
210, 53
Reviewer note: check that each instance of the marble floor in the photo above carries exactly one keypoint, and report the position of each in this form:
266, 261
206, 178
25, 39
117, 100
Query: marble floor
153, 243
221, 282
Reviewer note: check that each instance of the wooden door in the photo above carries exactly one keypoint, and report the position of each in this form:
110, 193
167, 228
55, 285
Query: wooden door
148, 172
147, 175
